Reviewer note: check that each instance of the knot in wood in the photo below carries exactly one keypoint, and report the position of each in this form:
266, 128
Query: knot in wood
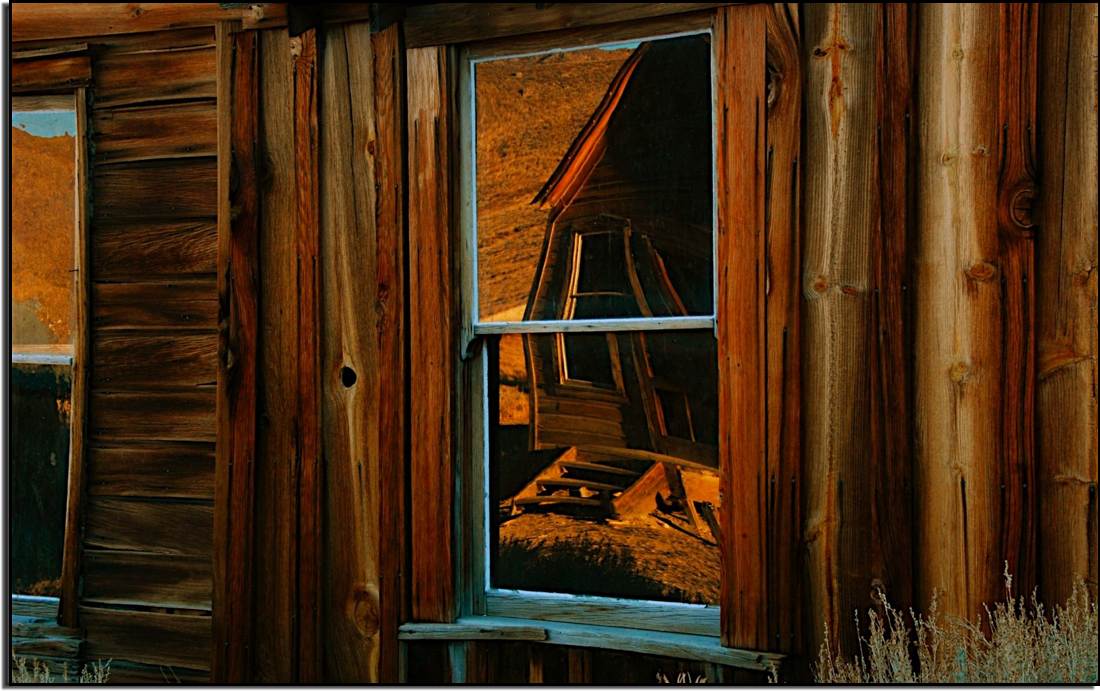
1021, 208
959, 372
981, 271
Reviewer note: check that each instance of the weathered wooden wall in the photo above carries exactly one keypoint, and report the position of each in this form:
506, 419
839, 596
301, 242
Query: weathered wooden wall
929, 381
147, 518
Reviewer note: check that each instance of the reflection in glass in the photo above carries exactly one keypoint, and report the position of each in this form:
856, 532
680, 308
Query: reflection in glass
594, 183
601, 489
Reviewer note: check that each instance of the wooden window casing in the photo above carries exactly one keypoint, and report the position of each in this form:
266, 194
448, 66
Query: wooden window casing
447, 376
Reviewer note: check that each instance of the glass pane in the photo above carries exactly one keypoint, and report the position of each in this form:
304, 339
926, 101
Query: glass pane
598, 490
594, 178
39, 475
43, 180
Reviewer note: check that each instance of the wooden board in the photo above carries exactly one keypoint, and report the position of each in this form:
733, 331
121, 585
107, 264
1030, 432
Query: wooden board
840, 202
740, 39
147, 250
154, 527
158, 639
158, 131
59, 74
170, 190
127, 362
183, 471
56, 20
146, 580
190, 305
168, 416
157, 75
1067, 300
445, 23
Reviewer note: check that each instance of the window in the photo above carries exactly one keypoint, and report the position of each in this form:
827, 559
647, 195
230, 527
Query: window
43, 232
591, 236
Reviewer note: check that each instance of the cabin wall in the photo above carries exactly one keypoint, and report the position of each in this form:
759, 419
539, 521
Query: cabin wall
147, 552
930, 396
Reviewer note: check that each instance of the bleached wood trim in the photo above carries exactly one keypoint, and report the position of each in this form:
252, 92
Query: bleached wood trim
581, 325
673, 617
673, 645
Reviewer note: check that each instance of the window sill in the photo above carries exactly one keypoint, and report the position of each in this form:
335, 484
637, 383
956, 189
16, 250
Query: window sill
676, 645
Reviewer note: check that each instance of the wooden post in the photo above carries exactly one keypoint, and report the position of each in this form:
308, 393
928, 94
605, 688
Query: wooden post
1067, 298
741, 299
238, 226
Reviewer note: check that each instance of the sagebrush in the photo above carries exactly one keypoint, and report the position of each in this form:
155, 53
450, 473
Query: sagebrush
26, 671
1015, 642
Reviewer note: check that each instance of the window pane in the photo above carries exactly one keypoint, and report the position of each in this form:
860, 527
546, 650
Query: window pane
594, 178
43, 228
598, 490
39, 476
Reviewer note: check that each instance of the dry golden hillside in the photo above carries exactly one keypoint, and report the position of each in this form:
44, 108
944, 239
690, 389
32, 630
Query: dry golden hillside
42, 208
529, 110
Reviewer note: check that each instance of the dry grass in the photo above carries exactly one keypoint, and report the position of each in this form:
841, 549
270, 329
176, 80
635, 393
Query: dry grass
1015, 642
26, 671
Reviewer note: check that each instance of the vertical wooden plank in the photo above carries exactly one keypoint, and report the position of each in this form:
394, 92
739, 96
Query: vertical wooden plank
82, 281
389, 101
957, 311
739, 36
432, 351
1016, 193
784, 123
1067, 297
276, 477
238, 127
840, 202
304, 51
890, 332
352, 368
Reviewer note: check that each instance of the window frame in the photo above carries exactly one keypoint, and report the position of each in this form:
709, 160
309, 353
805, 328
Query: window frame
77, 358
476, 594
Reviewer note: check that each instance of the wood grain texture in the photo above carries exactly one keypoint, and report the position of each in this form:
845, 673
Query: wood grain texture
238, 269
154, 638
441, 24
184, 305
182, 471
57, 20
304, 49
957, 311
152, 527
146, 580
127, 362
1066, 258
890, 352
273, 581
145, 251
431, 333
158, 131
160, 416
839, 206
740, 41
163, 190
78, 420
60, 74
151, 76
1018, 29
783, 375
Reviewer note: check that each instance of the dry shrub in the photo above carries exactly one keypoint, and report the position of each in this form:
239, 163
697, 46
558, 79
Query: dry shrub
26, 671
1015, 642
